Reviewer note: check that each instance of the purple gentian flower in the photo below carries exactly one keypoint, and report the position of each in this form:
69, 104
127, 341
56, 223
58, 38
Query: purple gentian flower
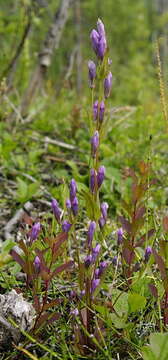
90, 234
102, 222
74, 312
92, 72
66, 226
107, 85
73, 189
95, 252
68, 204
95, 110
114, 260
100, 176
148, 252
95, 284
88, 261
37, 264
101, 111
35, 231
94, 39
92, 180
101, 48
104, 207
56, 209
119, 236
102, 267
74, 206
96, 273
98, 39
100, 28
95, 143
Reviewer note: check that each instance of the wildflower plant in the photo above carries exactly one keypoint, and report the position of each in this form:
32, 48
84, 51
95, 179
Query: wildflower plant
133, 224
88, 331
39, 256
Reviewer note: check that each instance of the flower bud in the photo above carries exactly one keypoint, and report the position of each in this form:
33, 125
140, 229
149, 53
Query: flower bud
88, 261
37, 264
95, 143
100, 176
66, 226
100, 28
92, 180
96, 273
73, 189
94, 285
82, 293
95, 252
90, 234
94, 39
107, 85
92, 72
72, 294
101, 222
68, 204
35, 231
114, 260
101, 111
102, 267
119, 236
74, 206
148, 252
95, 110
101, 47
104, 207
74, 312
56, 209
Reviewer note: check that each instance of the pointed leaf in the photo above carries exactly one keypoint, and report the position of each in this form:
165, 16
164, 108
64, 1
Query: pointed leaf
125, 224
62, 268
140, 212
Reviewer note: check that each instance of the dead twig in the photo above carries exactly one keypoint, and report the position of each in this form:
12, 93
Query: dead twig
15, 219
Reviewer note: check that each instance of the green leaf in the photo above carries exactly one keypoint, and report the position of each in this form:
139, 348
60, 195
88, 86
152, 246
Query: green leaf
120, 302
158, 348
136, 302
119, 322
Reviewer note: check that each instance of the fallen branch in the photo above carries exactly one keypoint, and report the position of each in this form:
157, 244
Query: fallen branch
15, 219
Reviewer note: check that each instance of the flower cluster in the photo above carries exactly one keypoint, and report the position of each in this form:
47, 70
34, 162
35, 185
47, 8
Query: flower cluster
71, 205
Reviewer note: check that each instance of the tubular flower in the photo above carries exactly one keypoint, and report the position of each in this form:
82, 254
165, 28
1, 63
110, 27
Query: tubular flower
95, 110
74, 206
95, 252
107, 85
95, 143
35, 231
90, 234
37, 264
101, 112
100, 176
98, 39
73, 189
92, 180
148, 252
94, 285
92, 72
88, 261
66, 226
119, 236
104, 207
56, 209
